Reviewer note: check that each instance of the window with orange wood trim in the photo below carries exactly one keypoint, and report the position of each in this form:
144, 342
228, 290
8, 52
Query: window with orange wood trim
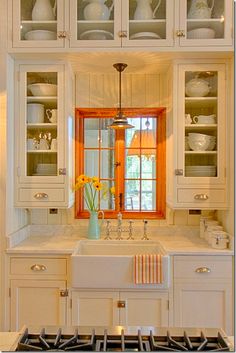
133, 161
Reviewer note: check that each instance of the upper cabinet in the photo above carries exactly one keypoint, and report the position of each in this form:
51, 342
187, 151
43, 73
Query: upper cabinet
43, 136
198, 128
121, 23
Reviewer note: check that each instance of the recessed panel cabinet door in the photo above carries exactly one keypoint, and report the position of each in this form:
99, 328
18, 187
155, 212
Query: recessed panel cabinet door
144, 309
37, 303
95, 308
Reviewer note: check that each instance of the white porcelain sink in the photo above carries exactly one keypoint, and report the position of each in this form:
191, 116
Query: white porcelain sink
109, 263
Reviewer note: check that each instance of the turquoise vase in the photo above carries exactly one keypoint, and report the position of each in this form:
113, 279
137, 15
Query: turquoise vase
94, 226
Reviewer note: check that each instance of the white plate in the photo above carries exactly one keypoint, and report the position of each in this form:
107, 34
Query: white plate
96, 34
145, 35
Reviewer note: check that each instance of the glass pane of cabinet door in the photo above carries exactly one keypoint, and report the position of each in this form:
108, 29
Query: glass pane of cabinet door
95, 23
202, 127
40, 148
38, 23
206, 22
148, 23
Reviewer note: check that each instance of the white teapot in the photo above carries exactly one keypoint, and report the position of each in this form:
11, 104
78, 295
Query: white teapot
200, 9
197, 87
97, 10
144, 11
43, 11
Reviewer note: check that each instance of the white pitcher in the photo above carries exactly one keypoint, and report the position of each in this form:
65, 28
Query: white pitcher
200, 9
144, 11
97, 10
43, 10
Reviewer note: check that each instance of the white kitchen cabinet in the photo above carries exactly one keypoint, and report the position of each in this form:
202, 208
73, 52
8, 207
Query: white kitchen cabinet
126, 25
203, 292
37, 302
107, 308
43, 146
198, 174
38, 291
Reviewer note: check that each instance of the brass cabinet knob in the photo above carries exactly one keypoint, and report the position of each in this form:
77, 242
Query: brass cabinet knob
203, 270
41, 196
201, 197
38, 268
180, 33
121, 304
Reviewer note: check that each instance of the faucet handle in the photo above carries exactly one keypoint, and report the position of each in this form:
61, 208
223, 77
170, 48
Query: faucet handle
130, 237
108, 225
145, 237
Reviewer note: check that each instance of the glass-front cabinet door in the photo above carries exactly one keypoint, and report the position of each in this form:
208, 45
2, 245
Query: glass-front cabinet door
205, 23
147, 23
95, 23
38, 23
201, 122
40, 135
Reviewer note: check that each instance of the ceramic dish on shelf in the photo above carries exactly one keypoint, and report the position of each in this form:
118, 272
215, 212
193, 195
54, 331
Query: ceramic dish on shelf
145, 35
43, 89
96, 34
201, 33
40, 34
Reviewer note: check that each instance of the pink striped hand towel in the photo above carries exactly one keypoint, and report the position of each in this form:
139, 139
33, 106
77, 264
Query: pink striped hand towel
147, 269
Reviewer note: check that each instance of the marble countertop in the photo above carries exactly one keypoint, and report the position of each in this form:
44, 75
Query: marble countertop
8, 341
175, 241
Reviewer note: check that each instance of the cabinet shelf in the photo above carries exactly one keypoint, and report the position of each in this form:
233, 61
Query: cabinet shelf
42, 99
201, 127
84, 26
38, 25
201, 152
42, 126
200, 102
41, 151
156, 26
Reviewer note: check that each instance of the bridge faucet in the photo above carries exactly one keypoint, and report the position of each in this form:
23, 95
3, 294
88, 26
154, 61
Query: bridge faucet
119, 226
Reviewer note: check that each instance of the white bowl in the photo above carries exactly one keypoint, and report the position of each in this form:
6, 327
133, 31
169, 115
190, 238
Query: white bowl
198, 136
43, 89
201, 33
211, 145
199, 145
40, 35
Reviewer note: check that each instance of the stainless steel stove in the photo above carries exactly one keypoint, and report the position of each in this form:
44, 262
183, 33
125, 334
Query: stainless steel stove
122, 339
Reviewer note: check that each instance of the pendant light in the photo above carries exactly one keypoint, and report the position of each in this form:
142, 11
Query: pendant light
120, 121
143, 142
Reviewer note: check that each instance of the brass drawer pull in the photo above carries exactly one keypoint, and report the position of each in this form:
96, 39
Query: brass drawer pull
41, 196
121, 304
180, 33
201, 197
203, 270
38, 268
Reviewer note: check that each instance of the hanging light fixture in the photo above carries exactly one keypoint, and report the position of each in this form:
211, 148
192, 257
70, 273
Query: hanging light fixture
120, 121
145, 141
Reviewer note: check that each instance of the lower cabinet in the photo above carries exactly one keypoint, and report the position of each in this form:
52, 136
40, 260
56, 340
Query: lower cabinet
37, 302
109, 308
203, 292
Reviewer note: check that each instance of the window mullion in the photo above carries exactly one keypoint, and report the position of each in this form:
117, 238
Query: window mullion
120, 168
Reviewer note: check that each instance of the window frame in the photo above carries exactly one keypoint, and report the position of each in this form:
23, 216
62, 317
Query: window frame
160, 114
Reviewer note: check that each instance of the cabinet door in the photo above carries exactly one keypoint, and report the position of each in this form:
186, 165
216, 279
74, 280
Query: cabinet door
40, 124
95, 24
37, 25
203, 305
200, 120
37, 303
147, 24
95, 308
144, 309
206, 23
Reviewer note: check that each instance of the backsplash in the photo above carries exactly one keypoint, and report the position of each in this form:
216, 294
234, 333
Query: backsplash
66, 217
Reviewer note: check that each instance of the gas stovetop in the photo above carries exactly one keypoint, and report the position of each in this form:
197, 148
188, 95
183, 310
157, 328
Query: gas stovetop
122, 339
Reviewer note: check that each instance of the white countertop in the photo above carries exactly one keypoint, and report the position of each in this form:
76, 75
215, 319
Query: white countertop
8, 340
175, 241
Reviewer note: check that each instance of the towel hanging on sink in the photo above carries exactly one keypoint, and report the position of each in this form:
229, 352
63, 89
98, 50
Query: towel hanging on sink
148, 269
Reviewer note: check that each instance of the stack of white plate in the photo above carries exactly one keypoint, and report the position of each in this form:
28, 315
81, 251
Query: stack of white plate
200, 171
46, 169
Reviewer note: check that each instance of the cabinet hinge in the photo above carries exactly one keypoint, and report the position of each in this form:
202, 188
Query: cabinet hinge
9, 292
64, 293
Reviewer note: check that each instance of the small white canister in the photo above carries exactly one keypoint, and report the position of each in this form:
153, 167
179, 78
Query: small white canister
211, 229
219, 240
209, 223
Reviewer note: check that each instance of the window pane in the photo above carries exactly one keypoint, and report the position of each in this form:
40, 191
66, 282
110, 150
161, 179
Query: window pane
148, 198
91, 162
107, 164
91, 133
129, 133
132, 167
132, 195
107, 135
107, 201
148, 133
148, 165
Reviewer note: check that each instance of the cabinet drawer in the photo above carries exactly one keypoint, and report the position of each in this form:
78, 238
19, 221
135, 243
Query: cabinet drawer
37, 265
41, 195
201, 196
200, 267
